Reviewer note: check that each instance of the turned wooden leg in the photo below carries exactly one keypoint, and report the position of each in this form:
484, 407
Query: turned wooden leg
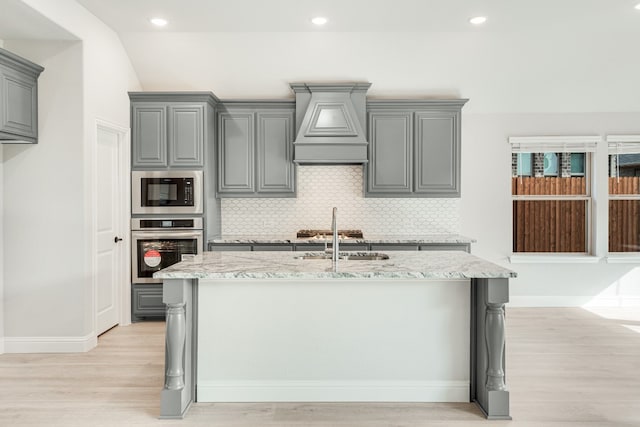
494, 322
175, 343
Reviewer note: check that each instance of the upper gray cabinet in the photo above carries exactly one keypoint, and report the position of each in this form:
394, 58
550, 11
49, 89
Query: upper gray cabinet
414, 148
390, 168
168, 129
255, 150
18, 99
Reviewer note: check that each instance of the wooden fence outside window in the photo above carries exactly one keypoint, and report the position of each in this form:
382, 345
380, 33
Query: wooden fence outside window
560, 225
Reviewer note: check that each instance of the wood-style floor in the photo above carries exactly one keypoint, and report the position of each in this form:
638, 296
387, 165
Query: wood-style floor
566, 367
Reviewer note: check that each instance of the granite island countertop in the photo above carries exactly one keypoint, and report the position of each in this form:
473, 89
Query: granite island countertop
284, 265
283, 239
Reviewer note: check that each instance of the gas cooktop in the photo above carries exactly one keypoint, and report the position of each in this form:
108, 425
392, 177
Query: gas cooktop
323, 234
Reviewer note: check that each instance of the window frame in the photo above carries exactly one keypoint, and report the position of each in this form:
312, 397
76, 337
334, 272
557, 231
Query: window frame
559, 144
616, 145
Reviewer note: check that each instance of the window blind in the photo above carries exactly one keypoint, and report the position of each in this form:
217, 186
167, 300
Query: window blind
623, 144
553, 144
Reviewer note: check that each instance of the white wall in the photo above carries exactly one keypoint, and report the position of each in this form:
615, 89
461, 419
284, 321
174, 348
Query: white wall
49, 200
486, 208
500, 72
44, 237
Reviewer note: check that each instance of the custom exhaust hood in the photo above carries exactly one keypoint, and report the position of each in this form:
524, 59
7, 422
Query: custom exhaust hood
330, 121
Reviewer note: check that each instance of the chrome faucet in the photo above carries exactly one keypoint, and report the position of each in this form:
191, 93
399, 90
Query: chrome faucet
334, 229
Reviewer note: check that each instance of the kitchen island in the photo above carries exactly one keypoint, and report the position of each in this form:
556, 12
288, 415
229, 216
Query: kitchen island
419, 326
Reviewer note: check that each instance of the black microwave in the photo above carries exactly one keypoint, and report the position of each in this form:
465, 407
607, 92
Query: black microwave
166, 192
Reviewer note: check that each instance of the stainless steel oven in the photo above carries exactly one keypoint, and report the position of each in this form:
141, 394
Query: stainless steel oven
166, 192
158, 243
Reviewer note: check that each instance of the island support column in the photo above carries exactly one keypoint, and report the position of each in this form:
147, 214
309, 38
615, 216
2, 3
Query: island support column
179, 389
488, 387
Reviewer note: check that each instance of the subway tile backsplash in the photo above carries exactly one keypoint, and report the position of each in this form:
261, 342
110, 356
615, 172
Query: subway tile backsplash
320, 188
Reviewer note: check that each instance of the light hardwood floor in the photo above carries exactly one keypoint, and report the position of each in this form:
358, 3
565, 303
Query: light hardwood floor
566, 367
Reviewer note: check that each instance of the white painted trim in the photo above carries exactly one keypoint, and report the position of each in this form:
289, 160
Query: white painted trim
333, 391
553, 259
574, 301
51, 344
631, 258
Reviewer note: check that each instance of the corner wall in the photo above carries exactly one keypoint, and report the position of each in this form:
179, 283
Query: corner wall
48, 196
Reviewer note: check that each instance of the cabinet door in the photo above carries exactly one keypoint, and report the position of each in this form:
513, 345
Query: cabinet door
149, 135
275, 168
236, 157
186, 135
19, 97
437, 157
146, 301
389, 169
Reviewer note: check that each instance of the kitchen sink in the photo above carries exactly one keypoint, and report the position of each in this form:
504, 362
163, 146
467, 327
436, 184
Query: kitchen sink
347, 256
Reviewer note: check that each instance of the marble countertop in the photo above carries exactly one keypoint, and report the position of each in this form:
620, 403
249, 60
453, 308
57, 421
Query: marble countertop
284, 265
276, 239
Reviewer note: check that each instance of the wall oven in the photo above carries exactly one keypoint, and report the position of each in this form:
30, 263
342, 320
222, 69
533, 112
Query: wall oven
166, 192
158, 243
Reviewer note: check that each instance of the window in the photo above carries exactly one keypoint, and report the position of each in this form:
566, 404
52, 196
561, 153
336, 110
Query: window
551, 207
624, 193
577, 164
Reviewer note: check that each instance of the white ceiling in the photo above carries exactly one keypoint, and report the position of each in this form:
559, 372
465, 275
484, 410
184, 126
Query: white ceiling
530, 56
126, 16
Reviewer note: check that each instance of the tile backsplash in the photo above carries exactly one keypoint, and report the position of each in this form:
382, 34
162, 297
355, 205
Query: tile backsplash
320, 188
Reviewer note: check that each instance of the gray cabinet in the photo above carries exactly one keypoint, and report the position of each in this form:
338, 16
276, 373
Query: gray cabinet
146, 302
18, 99
316, 247
437, 153
186, 133
236, 145
167, 131
414, 148
390, 169
255, 152
275, 169
149, 136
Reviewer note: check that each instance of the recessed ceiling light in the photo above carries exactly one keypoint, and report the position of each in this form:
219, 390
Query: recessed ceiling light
319, 20
638, 6
159, 22
477, 20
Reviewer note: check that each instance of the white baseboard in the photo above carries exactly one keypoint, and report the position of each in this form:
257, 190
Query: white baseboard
574, 301
50, 344
333, 391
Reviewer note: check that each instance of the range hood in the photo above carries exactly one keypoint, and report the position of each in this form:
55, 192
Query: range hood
330, 122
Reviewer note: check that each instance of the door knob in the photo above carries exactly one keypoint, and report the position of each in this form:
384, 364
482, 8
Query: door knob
116, 239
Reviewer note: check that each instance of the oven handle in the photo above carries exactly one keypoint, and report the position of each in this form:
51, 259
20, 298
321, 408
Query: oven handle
165, 234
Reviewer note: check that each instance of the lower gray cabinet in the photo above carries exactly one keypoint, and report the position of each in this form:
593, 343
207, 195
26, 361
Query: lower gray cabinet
275, 247
229, 247
393, 247
255, 151
466, 247
146, 302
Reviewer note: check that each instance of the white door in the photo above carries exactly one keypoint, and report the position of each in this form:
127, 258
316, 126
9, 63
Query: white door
109, 229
